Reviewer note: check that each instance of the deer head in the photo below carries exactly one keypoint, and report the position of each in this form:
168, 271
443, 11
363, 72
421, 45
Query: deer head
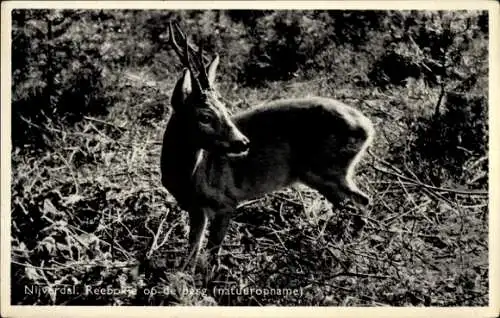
196, 100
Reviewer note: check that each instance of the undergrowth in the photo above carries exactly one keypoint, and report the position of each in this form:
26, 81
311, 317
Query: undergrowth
89, 212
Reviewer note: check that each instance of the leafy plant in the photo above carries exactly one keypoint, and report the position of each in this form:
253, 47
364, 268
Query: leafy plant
56, 72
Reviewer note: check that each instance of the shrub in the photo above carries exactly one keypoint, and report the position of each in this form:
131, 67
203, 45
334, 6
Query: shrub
445, 144
395, 67
354, 27
287, 44
56, 72
281, 37
436, 46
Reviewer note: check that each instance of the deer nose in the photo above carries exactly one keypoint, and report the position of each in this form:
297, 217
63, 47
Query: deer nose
241, 144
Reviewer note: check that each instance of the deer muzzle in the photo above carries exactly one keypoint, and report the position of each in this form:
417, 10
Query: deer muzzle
238, 144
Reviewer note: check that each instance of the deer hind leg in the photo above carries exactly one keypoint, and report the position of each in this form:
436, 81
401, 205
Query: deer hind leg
348, 186
348, 182
331, 187
198, 223
333, 178
336, 188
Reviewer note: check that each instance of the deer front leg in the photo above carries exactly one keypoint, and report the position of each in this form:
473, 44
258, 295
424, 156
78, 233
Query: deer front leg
218, 230
198, 223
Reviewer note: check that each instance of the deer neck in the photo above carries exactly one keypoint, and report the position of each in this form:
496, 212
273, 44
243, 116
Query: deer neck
179, 159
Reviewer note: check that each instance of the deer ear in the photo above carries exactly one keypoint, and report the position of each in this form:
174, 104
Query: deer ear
183, 88
212, 69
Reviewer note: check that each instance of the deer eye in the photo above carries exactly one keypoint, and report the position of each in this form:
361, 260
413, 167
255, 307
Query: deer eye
205, 119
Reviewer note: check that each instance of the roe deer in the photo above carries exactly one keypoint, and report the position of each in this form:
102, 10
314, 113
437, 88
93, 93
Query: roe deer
210, 161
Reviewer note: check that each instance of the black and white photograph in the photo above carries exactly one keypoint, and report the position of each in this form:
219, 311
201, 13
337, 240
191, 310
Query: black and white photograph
201, 156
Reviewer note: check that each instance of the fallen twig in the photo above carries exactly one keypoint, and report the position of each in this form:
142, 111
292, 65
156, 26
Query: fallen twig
104, 122
399, 174
415, 182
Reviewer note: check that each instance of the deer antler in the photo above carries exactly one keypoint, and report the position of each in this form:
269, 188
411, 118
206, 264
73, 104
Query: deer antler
202, 79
